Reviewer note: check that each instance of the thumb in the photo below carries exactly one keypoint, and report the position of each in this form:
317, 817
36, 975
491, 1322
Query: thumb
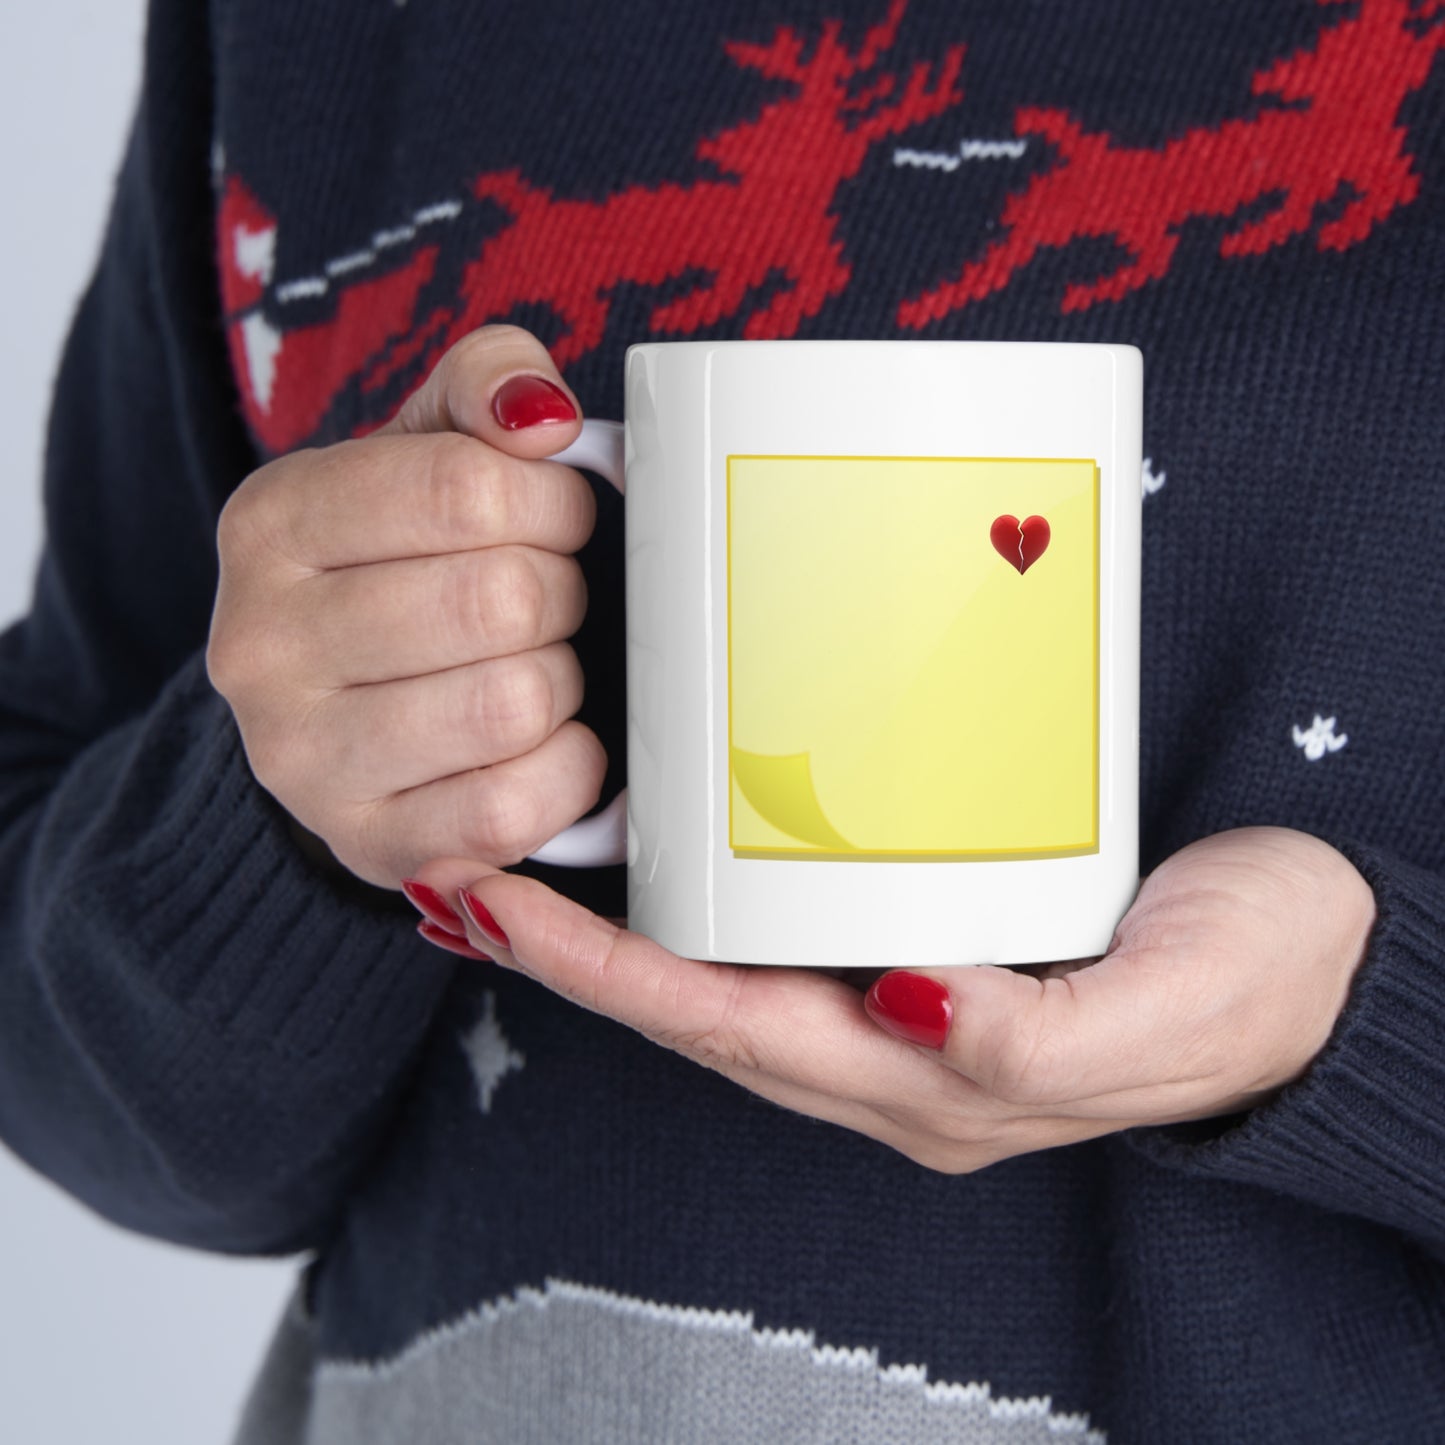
500, 386
1031, 1040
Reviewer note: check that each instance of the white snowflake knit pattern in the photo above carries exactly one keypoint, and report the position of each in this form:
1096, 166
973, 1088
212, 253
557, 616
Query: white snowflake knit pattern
1319, 738
489, 1053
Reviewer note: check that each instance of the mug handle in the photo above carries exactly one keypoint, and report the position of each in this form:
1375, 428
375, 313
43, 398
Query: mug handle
601, 839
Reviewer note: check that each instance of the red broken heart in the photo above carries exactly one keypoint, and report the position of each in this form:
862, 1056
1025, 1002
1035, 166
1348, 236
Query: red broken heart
1020, 543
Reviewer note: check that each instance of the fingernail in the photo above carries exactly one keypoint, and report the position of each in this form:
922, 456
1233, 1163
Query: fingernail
911, 1007
450, 942
486, 925
529, 401
430, 903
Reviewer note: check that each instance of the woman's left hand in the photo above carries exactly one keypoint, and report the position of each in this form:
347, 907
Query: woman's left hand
1223, 982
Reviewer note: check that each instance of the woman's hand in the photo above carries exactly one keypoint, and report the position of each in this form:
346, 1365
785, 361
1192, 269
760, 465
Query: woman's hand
1223, 982
389, 627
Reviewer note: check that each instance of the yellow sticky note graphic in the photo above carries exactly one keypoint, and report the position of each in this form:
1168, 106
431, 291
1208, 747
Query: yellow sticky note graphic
913, 649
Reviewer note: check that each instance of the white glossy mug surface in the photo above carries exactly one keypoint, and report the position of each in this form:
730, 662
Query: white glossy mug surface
882, 649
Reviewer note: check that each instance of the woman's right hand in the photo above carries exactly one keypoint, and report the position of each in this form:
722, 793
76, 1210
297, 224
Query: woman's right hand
390, 624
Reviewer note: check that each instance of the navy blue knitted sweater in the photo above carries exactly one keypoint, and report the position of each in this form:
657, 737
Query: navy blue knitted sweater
527, 1223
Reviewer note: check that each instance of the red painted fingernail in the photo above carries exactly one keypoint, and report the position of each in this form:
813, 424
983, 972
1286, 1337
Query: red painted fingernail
431, 904
450, 941
911, 1007
529, 401
487, 926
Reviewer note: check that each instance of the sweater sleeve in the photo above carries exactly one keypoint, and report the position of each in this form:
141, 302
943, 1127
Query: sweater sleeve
1363, 1131
201, 1036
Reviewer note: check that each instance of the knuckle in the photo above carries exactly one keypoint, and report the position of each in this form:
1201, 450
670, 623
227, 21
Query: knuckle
571, 508
572, 596
586, 765
463, 354
244, 658
569, 687
718, 1050
509, 332
503, 819
959, 1138
458, 371
717, 1043
496, 336
968, 1135
466, 488
941, 1136
591, 755
713, 1050
252, 500
239, 532
509, 603
1018, 1064
255, 655
466, 370
234, 525
593, 988
224, 659
368, 845
255, 516
516, 705
948, 1156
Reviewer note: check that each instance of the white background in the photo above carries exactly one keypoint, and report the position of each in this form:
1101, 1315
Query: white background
103, 1336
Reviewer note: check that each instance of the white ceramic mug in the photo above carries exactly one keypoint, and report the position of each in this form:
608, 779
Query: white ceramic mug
882, 649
